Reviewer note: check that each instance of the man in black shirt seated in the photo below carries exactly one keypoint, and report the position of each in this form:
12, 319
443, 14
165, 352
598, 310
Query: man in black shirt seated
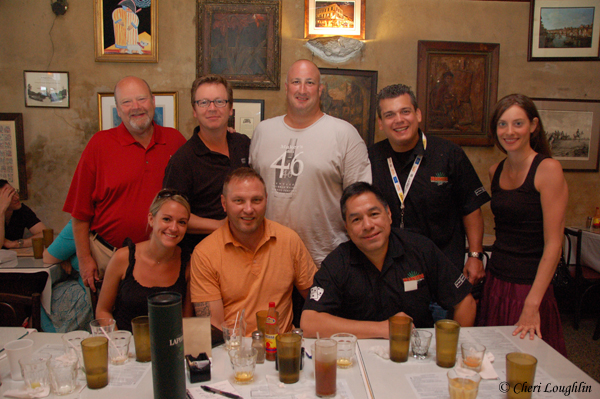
381, 272
15, 217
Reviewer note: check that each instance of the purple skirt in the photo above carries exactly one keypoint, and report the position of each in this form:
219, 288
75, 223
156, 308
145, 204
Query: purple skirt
502, 304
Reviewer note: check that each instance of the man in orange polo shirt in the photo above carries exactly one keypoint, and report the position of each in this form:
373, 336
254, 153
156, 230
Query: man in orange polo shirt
250, 261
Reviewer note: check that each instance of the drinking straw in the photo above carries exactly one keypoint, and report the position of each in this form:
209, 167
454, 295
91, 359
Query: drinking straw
111, 342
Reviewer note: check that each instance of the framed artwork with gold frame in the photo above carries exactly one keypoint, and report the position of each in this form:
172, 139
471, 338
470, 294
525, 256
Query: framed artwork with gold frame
126, 30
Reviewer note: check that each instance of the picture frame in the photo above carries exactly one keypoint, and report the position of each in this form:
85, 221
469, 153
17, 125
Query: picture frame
12, 152
350, 94
46, 89
247, 114
122, 34
573, 131
165, 112
457, 86
564, 30
334, 18
240, 40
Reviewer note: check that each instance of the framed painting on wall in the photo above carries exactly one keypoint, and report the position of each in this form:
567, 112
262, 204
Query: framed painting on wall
12, 152
240, 40
334, 18
126, 30
247, 114
165, 111
349, 94
573, 131
564, 30
457, 85
46, 89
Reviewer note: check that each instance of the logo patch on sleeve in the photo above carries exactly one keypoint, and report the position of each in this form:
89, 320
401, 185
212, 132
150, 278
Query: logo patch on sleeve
479, 191
316, 293
459, 281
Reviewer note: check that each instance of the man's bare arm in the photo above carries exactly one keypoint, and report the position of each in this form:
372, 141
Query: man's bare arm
326, 325
464, 312
200, 225
202, 309
212, 309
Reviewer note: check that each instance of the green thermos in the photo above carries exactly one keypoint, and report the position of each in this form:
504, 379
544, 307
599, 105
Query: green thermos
166, 341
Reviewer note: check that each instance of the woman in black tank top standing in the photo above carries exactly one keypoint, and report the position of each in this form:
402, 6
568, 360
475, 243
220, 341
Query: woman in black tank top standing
529, 201
156, 265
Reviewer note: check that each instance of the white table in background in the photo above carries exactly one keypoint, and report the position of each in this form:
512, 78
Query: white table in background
31, 265
590, 248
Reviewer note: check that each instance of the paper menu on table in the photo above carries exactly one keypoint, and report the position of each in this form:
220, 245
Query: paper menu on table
435, 386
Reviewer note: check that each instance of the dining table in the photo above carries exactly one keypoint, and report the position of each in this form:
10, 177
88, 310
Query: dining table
28, 264
590, 247
371, 376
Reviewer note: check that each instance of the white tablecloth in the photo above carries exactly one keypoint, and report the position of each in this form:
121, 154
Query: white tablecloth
590, 249
31, 265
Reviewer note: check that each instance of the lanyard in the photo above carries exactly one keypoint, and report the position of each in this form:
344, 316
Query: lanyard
402, 194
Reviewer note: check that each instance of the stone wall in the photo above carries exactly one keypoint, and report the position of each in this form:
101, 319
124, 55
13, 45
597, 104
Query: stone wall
34, 39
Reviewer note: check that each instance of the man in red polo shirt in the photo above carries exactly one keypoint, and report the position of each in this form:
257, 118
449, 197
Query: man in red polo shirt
118, 175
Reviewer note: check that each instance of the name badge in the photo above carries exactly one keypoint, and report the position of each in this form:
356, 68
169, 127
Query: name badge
412, 283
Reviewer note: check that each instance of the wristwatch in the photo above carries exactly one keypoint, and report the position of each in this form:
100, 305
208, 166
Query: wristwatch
478, 255
20, 243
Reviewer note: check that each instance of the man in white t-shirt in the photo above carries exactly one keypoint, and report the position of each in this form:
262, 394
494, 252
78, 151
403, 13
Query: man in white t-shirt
307, 158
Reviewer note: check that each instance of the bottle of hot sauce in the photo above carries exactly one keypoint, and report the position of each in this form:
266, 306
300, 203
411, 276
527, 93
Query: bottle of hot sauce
271, 331
596, 219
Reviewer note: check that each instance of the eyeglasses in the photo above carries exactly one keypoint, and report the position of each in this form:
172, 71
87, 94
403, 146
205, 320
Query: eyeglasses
168, 193
204, 103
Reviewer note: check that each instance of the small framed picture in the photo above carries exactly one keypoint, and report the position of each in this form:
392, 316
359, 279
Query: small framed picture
12, 152
246, 115
46, 89
334, 18
564, 30
573, 131
165, 112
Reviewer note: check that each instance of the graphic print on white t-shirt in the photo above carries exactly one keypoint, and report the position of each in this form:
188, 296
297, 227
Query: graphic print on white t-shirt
288, 167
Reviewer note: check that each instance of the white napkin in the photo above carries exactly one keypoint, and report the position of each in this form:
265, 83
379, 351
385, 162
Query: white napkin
40, 392
381, 351
8, 258
487, 370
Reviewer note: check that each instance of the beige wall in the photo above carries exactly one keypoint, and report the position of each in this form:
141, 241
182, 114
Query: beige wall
32, 39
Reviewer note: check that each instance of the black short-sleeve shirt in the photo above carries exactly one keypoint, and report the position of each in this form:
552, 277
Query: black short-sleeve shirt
21, 219
445, 188
415, 273
199, 173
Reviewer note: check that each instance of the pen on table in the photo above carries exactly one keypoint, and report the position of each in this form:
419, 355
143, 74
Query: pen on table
219, 392
22, 336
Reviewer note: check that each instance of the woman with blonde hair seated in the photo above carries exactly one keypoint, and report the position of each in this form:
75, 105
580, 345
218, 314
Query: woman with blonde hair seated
139, 270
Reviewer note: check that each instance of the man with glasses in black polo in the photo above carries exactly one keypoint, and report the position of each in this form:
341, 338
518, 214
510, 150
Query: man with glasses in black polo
198, 169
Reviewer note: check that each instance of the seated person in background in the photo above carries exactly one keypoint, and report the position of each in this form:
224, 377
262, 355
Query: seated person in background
250, 261
156, 265
15, 217
71, 307
379, 273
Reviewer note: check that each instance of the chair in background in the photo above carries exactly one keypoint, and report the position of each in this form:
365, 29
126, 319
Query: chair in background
18, 291
585, 278
13, 310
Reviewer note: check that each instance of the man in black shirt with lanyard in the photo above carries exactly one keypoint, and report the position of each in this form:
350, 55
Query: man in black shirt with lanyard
429, 183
